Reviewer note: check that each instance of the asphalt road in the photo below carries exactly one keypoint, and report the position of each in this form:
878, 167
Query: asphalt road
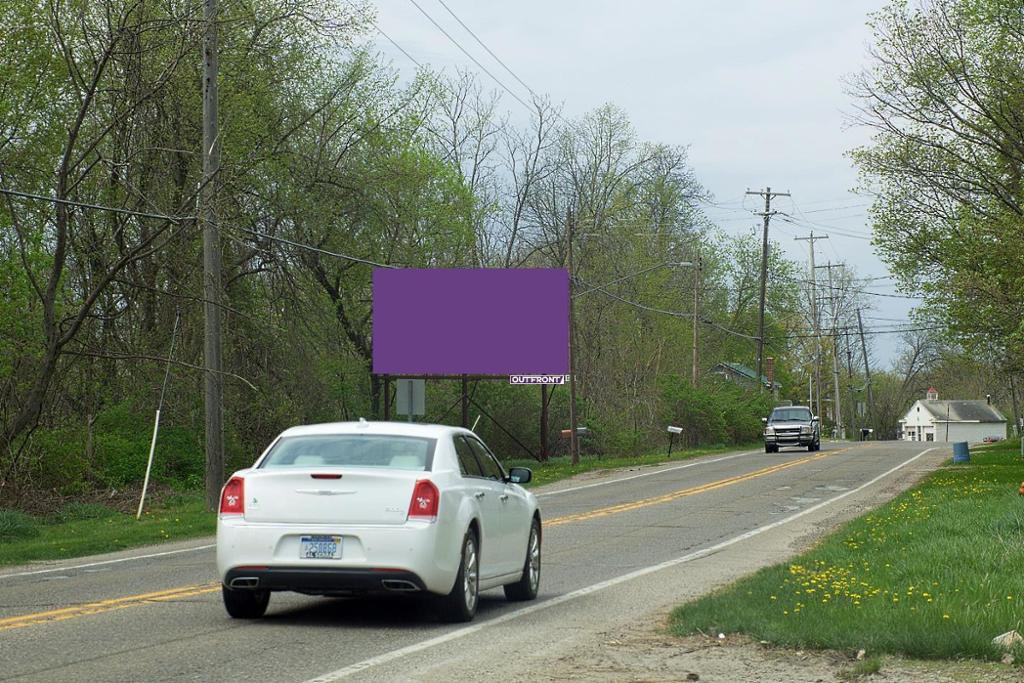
132, 618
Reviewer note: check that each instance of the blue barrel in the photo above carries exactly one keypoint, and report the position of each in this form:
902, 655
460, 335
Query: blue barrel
960, 452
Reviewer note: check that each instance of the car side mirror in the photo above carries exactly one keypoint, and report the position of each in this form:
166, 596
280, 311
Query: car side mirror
815, 419
520, 475
764, 420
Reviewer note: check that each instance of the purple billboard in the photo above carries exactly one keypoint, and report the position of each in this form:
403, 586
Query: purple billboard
483, 321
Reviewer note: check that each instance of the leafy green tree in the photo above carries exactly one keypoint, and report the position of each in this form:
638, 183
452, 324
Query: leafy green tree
942, 94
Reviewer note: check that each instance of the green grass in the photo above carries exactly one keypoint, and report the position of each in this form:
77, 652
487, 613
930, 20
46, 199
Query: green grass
868, 667
561, 467
86, 529
935, 573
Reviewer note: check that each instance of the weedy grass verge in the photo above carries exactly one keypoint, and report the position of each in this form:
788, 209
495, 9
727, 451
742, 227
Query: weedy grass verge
933, 574
86, 529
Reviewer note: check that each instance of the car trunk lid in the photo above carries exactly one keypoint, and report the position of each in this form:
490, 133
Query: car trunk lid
329, 495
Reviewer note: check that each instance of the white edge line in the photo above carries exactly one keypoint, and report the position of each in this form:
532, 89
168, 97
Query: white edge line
97, 564
536, 607
696, 461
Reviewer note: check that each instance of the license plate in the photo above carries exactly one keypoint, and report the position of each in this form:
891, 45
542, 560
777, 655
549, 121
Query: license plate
320, 547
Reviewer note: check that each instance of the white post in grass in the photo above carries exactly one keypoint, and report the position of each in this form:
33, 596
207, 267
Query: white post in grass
156, 420
149, 464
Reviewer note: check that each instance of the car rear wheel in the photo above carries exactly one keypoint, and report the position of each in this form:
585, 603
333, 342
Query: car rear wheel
526, 587
245, 604
460, 604
771, 449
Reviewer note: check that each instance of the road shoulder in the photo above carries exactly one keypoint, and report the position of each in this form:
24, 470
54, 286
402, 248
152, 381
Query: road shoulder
617, 633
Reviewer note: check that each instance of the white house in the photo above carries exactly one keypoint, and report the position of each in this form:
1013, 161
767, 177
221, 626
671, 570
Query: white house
934, 420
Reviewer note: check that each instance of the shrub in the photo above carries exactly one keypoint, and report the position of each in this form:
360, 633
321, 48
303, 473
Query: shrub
76, 511
717, 412
15, 525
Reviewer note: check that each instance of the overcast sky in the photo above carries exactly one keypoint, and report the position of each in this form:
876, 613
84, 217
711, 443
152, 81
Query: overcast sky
754, 89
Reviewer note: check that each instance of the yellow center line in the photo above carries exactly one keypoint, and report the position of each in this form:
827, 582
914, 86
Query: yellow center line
100, 606
112, 604
682, 493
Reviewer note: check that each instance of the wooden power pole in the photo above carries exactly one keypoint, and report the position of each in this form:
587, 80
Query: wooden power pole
837, 401
573, 437
212, 361
867, 371
815, 321
766, 215
697, 265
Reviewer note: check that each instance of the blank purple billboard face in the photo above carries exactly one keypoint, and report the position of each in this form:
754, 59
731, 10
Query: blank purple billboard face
484, 321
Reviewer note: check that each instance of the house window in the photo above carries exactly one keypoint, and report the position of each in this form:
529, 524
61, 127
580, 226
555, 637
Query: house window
929, 437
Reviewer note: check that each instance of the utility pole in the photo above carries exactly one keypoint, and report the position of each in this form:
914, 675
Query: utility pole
837, 401
698, 264
849, 379
213, 379
814, 316
849, 359
573, 440
867, 370
766, 215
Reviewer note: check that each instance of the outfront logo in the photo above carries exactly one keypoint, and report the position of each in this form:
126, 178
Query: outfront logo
537, 379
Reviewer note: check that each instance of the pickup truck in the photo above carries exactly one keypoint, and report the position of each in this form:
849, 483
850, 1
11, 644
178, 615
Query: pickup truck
791, 426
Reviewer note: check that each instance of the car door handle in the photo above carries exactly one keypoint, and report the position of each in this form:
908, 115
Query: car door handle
503, 498
479, 494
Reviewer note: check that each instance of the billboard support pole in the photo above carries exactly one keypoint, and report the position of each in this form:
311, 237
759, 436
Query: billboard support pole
573, 439
500, 426
465, 402
387, 398
411, 402
544, 422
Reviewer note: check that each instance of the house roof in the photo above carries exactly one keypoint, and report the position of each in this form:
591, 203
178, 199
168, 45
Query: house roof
744, 371
963, 411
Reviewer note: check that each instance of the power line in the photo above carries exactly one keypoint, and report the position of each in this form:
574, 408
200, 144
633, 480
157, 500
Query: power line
836, 208
400, 48
98, 207
677, 314
827, 229
471, 57
848, 329
318, 250
381, 31
844, 198
181, 219
484, 46
844, 329
837, 288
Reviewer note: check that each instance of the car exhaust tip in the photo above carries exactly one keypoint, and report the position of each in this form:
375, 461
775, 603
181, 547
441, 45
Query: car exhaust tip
399, 585
244, 582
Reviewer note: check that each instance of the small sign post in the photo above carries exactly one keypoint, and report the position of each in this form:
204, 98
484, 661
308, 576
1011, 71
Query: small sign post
411, 397
672, 431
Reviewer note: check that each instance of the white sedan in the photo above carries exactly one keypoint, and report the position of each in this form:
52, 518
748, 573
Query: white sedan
365, 507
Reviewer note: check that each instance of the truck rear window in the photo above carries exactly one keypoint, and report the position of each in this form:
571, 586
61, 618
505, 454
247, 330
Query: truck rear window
353, 450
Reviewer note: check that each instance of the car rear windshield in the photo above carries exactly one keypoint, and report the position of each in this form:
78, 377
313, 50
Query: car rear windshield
799, 414
353, 450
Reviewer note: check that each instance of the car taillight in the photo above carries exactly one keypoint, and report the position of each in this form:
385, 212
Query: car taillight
232, 497
425, 499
